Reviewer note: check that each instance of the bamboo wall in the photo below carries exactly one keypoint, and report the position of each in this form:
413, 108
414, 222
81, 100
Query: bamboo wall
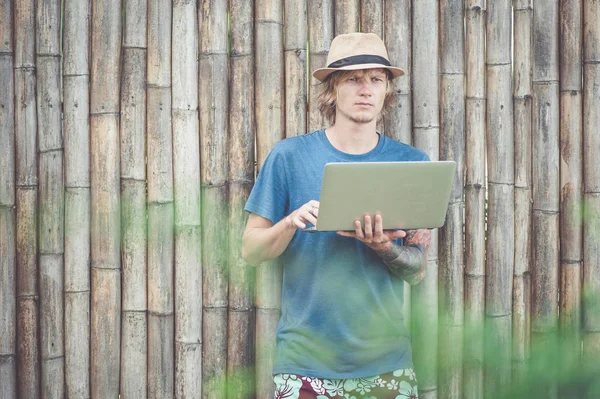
130, 136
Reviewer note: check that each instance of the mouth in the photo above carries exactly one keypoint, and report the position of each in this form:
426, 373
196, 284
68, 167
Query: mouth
365, 104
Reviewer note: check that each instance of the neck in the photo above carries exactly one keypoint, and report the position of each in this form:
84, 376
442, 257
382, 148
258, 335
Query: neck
353, 138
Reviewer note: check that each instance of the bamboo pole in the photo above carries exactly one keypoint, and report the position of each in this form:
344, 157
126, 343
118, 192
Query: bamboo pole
26, 177
295, 67
571, 183
214, 96
8, 279
27, 308
8, 349
241, 324
521, 308
51, 198
500, 220
320, 35
160, 202
105, 327
134, 332
268, 94
452, 147
371, 16
186, 173
591, 178
546, 179
371, 21
347, 16
397, 124
475, 187
425, 80
397, 37
76, 78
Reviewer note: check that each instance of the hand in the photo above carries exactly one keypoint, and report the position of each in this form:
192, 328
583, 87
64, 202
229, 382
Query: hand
374, 236
307, 213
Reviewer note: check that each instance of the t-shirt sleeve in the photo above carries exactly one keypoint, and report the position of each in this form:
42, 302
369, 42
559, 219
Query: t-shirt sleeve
269, 196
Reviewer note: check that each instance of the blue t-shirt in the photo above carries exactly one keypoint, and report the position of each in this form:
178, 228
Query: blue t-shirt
341, 307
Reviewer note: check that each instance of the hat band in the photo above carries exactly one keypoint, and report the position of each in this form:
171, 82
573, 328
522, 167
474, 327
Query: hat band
359, 59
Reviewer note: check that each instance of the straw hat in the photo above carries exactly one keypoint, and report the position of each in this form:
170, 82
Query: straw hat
357, 51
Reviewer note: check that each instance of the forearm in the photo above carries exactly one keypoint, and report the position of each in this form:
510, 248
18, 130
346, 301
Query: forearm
409, 262
263, 244
406, 261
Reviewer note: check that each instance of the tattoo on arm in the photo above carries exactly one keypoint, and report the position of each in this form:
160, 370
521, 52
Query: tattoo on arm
410, 260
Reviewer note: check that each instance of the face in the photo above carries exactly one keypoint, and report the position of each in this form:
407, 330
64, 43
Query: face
360, 95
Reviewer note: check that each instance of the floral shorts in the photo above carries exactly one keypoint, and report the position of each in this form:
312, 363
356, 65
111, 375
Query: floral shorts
400, 384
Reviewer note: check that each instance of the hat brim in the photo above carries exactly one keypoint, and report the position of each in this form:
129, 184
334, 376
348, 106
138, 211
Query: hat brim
322, 73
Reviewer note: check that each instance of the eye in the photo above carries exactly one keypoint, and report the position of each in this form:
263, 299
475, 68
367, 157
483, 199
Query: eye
352, 79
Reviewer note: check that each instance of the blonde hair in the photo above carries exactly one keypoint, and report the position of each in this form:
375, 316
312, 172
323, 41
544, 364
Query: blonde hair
328, 93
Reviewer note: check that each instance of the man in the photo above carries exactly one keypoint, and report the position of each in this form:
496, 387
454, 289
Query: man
341, 332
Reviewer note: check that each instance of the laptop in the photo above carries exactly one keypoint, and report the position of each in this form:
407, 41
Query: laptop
408, 195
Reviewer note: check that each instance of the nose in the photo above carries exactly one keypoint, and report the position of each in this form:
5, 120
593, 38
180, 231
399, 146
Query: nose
365, 89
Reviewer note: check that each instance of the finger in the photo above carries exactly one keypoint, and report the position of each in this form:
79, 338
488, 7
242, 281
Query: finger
358, 230
368, 228
395, 234
312, 207
298, 223
346, 233
309, 217
378, 228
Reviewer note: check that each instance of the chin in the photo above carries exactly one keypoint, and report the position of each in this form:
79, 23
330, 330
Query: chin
362, 119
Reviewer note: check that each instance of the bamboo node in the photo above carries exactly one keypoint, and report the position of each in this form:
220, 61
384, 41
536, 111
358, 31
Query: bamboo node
125, 47
550, 82
497, 316
213, 307
134, 311
160, 314
267, 22
48, 55
49, 150
500, 184
241, 309
107, 113
546, 211
573, 93
25, 68
476, 9
69, 188
35, 297
57, 357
